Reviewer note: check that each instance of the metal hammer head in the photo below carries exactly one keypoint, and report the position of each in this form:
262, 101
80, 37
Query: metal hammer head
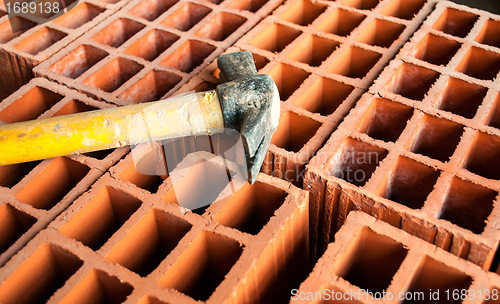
250, 103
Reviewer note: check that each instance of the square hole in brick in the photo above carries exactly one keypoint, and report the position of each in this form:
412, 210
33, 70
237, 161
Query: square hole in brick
42, 274
435, 49
381, 33
341, 22
6, 33
101, 217
149, 242
98, 287
13, 224
354, 62
251, 208
409, 183
438, 277
484, 156
153, 86
79, 15
113, 75
189, 55
40, 40
412, 81
74, 106
436, 138
313, 50
294, 131
260, 61
246, 5
489, 33
369, 256
53, 183
461, 97
288, 79
78, 61
151, 9
118, 32
275, 37
403, 9
29, 106
152, 44
100, 155
455, 22
186, 16
355, 161
203, 265
480, 64
362, 4
385, 120
324, 96
12, 174
467, 205
494, 118
221, 26
150, 183
303, 12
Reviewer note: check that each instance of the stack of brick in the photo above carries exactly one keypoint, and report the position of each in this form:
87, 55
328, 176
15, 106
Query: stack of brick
421, 150
34, 193
149, 49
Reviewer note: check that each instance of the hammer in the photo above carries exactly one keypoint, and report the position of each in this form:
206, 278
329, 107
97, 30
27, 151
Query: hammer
246, 101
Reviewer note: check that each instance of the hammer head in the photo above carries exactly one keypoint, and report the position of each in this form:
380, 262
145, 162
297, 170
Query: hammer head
250, 103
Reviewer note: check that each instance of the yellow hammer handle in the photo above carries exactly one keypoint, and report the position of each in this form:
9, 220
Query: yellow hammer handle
192, 114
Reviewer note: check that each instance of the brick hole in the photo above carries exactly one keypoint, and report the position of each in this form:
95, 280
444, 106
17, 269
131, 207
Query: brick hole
314, 50
98, 287
492, 300
40, 40
187, 16
461, 97
403, 9
13, 224
247, 5
113, 75
78, 61
412, 81
436, 138
385, 120
216, 2
118, 32
103, 215
275, 38
288, 79
362, 4
354, 62
12, 174
324, 96
355, 161
152, 44
303, 12
467, 205
30, 105
289, 136
436, 49
221, 26
73, 107
6, 33
189, 56
150, 300
151, 9
495, 264
455, 22
341, 22
409, 183
53, 183
204, 86
260, 61
150, 183
494, 119
480, 64
251, 208
435, 276
381, 33
484, 156
203, 265
78, 16
41, 275
149, 242
2, 13
153, 86
489, 33
100, 155
371, 255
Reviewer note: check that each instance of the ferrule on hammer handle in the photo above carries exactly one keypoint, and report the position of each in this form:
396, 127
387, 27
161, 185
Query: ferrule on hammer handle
193, 114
